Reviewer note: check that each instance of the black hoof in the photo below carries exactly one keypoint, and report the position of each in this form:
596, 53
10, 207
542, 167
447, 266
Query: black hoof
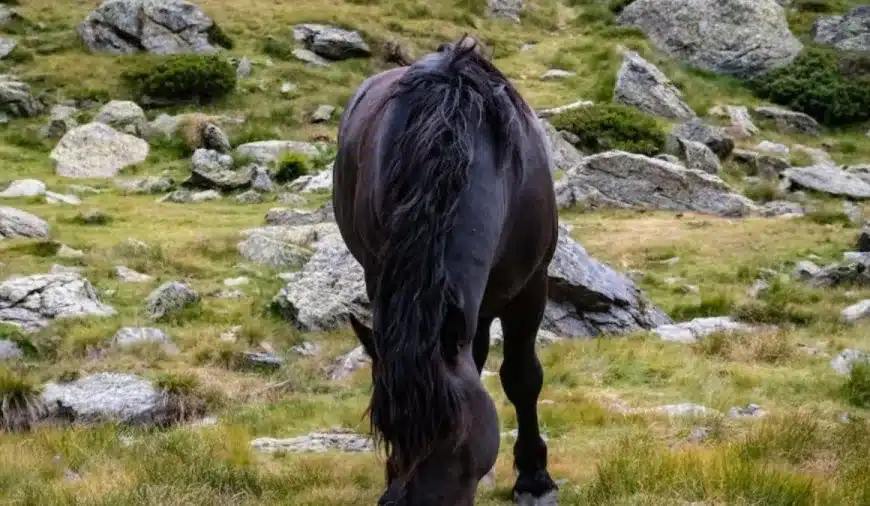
537, 489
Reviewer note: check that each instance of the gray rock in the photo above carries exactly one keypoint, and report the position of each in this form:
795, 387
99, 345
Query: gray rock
105, 397
267, 151
244, 68
9, 15
776, 208
316, 442
128, 275
288, 88
61, 120
306, 349
743, 38
766, 166
819, 156
508, 10
261, 181
24, 188
642, 85
554, 74
854, 213
826, 179
323, 113
773, 147
348, 363
187, 196
18, 223
849, 32
806, 270
861, 171
698, 156
685, 409
863, 244
7, 45
294, 217
564, 154
214, 138
842, 363
131, 336
310, 57
97, 150
212, 170
788, 122
146, 185
17, 100
124, 116
308, 184
9, 350
741, 122
621, 179
852, 271
750, 411
547, 113
696, 130
588, 298
331, 42
59, 198
757, 288
249, 197
30, 302
265, 360
69, 253
697, 329
154, 26
856, 312
275, 246
170, 297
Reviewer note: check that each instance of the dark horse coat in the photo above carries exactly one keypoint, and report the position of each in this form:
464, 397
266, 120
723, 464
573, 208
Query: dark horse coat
443, 192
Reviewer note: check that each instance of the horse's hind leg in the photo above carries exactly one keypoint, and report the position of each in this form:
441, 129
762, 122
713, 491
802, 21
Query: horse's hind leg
522, 378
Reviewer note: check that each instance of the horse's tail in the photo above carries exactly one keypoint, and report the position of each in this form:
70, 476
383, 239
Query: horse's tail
439, 107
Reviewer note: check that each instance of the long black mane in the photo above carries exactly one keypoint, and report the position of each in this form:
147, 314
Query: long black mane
438, 111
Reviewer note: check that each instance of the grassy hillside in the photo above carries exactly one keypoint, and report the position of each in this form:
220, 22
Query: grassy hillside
801, 453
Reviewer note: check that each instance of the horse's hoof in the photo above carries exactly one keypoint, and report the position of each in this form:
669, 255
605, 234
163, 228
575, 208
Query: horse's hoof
551, 498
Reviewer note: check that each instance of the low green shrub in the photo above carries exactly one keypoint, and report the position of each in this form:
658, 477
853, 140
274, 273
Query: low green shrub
291, 165
183, 77
832, 88
605, 127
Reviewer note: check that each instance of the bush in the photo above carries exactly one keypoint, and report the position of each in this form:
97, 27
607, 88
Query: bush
183, 77
20, 403
290, 166
821, 83
605, 127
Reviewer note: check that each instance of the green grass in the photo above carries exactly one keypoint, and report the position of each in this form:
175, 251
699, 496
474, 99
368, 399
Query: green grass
800, 454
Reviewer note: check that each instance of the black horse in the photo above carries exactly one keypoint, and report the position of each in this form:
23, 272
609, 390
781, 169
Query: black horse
443, 193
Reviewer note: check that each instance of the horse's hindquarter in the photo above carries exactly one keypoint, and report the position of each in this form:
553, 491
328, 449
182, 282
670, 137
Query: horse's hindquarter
354, 163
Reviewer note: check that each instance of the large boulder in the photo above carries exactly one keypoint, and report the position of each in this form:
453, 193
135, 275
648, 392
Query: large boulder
826, 179
714, 137
30, 302
743, 38
850, 32
588, 298
97, 150
641, 84
124, 116
153, 26
331, 42
627, 180
17, 223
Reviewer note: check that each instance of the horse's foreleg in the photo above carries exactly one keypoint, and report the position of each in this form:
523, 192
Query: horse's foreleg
522, 378
480, 347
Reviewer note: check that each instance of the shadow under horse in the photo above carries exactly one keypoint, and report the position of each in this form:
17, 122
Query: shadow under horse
443, 192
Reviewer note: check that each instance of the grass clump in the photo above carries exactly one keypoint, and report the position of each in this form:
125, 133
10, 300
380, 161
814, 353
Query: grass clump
816, 83
605, 127
180, 396
764, 191
184, 77
856, 390
20, 403
290, 166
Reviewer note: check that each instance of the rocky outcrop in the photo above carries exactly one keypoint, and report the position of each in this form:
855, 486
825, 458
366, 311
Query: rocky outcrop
588, 298
17, 223
743, 38
17, 100
153, 26
641, 84
331, 42
620, 179
849, 32
30, 302
97, 150
789, 122
826, 179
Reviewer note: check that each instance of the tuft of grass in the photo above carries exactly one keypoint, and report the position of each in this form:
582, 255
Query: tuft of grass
180, 396
20, 404
856, 389
772, 348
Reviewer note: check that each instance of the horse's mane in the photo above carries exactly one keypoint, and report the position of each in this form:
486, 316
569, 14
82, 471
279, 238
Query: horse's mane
438, 109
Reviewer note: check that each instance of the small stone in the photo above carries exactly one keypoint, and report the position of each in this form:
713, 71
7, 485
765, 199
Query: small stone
806, 270
348, 363
130, 276
316, 442
129, 336
69, 253
244, 68
856, 312
842, 363
306, 349
557, 74
170, 298
288, 88
257, 359
9, 350
323, 113
241, 280
759, 286
750, 411
24, 188
59, 198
